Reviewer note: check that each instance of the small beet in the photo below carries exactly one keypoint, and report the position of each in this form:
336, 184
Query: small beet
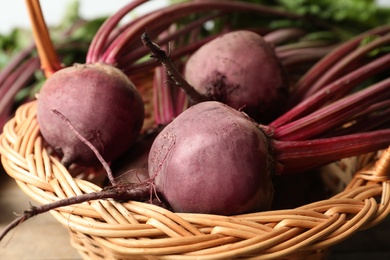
100, 102
241, 70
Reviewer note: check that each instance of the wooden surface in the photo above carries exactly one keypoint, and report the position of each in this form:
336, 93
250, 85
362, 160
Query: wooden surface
42, 237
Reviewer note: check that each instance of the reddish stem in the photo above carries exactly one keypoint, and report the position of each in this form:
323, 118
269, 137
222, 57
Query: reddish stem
298, 56
365, 122
13, 83
99, 41
135, 68
172, 13
288, 49
139, 52
282, 35
335, 71
297, 156
171, 70
335, 89
319, 69
47, 55
333, 115
380, 106
15, 63
163, 104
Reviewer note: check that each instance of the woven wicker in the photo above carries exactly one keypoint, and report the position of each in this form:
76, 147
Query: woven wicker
106, 229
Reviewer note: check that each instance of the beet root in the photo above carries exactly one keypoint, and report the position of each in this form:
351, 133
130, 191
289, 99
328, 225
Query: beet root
100, 102
241, 70
212, 159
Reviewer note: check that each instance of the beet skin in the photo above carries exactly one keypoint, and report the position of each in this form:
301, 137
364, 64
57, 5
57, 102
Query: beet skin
241, 70
213, 159
100, 102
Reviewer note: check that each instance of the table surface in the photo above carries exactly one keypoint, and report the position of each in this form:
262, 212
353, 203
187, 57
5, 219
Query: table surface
42, 237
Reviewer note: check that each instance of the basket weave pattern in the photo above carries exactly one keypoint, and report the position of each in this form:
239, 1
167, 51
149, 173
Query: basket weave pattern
107, 229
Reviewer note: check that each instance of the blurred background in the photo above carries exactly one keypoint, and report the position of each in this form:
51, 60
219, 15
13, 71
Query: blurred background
14, 13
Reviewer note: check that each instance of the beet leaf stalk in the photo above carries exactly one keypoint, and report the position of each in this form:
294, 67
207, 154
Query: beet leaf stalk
115, 49
372, 117
344, 64
333, 115
333, 90
99, 42
164, 109
298, 156
172, 71
46, 51
15, 81
318, 71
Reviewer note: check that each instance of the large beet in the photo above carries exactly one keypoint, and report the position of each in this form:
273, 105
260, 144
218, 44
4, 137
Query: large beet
212, 159
100, 102
241, 70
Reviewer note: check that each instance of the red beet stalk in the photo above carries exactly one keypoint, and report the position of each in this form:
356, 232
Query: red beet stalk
297, 156
319, 69
159, 20
334, 90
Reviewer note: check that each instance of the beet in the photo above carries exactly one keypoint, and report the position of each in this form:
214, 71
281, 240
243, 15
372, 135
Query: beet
241, 70
212, 159
100, 102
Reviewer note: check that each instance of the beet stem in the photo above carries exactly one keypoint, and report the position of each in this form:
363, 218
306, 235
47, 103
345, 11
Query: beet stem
332, 115
337, 88
15, 81
297, 156
135, 68
15, 62
299, 56
164, 108
175, 75
99, 41
342, 65
48, 57
364, 122
166, 16
130, 57
279, 36
315, 73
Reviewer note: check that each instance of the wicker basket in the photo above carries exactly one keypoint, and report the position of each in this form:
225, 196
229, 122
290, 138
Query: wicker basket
107, 229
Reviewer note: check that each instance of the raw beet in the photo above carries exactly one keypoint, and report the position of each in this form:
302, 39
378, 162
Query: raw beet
241, 70
100, 102
212, 159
